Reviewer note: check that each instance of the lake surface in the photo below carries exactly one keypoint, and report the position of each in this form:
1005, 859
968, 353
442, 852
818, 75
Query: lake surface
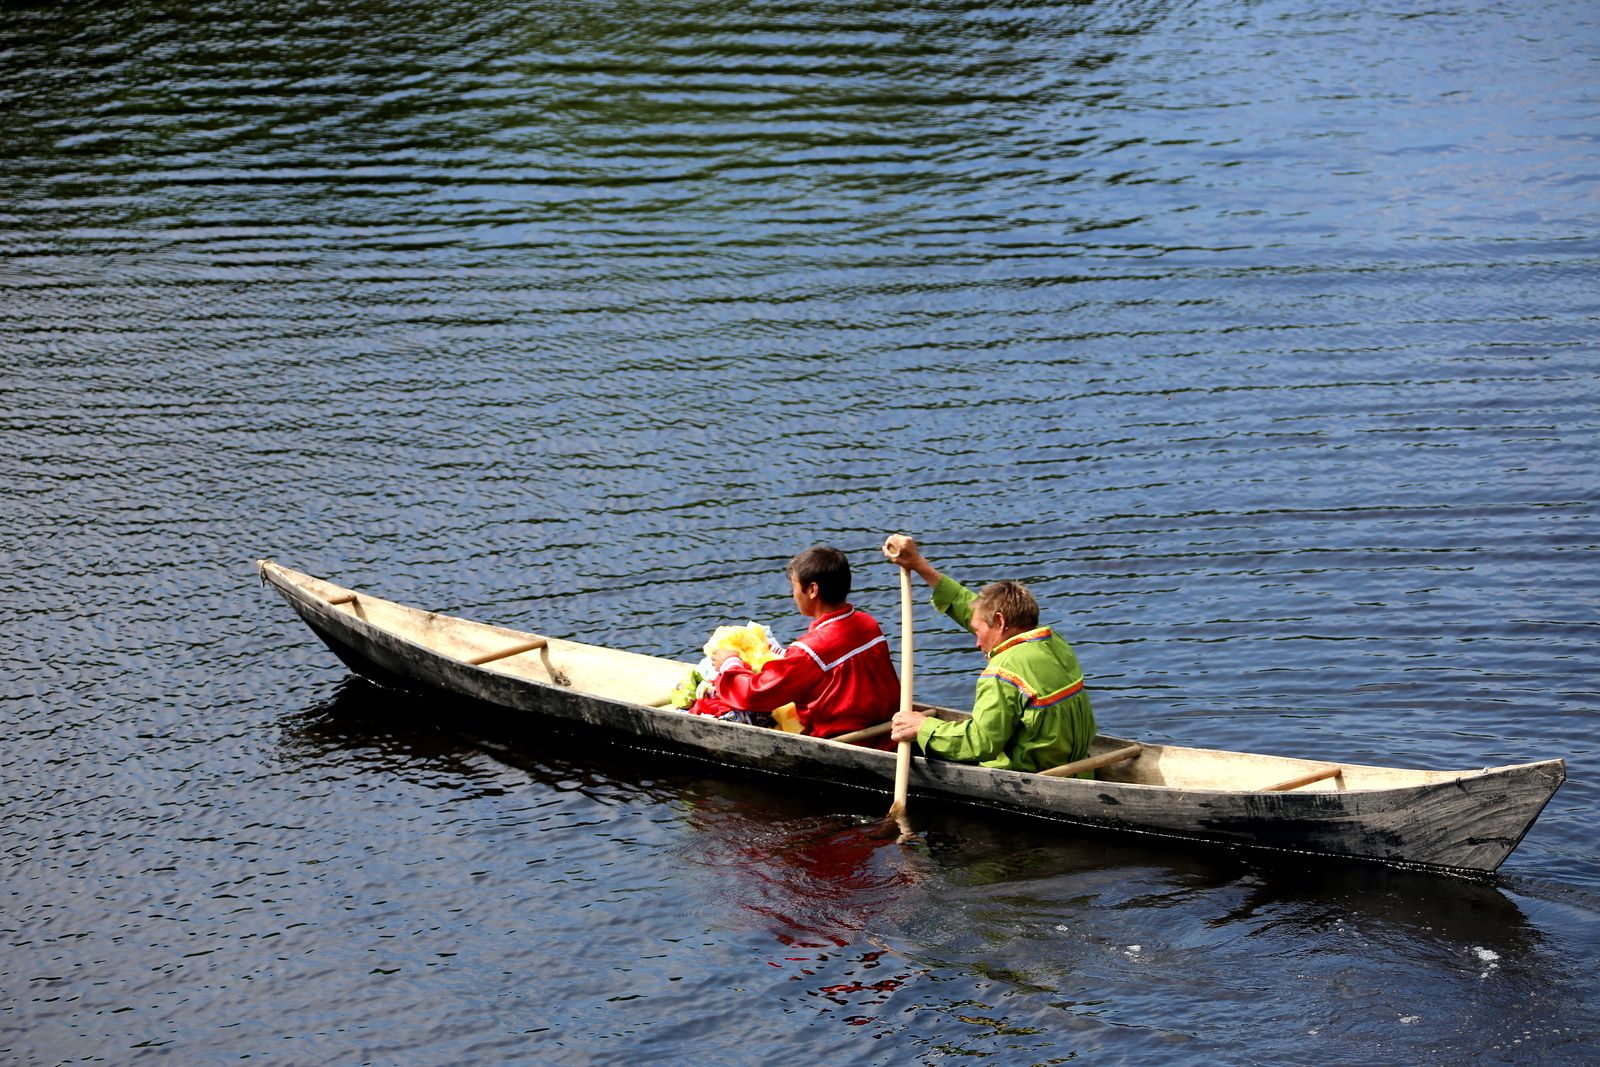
1259, 338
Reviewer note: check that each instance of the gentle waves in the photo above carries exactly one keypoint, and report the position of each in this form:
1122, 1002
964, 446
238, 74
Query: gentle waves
1259, 339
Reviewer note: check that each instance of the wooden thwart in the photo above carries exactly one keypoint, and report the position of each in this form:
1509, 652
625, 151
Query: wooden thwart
1092, 763
344, 598
1305, 779
857, 736
506, 653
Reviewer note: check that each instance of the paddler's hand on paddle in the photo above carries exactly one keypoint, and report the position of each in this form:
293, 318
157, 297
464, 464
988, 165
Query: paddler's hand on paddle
901, 550
904, 725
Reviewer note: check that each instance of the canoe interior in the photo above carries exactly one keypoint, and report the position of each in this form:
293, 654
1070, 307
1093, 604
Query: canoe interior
602, 672
637, 679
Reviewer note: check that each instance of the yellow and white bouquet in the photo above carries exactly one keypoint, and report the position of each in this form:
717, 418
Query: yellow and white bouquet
752, 642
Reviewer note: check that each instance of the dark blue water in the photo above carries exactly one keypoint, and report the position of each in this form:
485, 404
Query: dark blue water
1258, 338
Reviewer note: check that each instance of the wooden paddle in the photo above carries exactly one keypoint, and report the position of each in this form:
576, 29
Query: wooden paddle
902, 761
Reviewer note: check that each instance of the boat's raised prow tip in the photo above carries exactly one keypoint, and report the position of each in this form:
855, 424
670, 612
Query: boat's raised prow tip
270, 571
1557, 768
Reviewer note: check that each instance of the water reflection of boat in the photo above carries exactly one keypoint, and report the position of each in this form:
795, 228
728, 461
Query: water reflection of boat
804, 886
1463, 820
1388, 904
820, 882
397, 734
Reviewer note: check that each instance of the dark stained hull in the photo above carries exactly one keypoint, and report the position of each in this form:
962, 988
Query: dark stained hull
1466, 821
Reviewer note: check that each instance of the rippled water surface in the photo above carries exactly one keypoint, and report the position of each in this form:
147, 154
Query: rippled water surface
1259, 338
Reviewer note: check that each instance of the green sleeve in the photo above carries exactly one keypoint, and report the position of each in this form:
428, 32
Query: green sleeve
955, 600
996, 711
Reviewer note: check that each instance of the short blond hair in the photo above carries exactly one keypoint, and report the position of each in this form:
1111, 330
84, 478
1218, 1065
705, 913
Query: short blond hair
1010, 599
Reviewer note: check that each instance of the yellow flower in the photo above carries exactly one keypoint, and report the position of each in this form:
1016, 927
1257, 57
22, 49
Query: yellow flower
751, 641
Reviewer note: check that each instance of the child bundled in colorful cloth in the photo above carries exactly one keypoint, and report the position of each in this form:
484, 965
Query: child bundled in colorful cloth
838, 674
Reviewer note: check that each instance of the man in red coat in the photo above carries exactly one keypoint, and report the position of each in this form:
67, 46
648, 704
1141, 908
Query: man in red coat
838, 674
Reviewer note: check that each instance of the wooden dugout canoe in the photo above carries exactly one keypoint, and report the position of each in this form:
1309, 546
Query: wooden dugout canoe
1466, 821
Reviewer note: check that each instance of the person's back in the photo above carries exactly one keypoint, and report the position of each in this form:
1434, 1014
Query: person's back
857, 686
839, 674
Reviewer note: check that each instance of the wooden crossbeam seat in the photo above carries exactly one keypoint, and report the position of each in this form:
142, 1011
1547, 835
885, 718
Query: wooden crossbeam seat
1094, 763
506, 653
1319, 775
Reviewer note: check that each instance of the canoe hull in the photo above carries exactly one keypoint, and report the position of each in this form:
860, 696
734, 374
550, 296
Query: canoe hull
1467, 822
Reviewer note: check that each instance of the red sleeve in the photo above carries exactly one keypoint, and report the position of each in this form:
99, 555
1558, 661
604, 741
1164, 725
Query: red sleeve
792, 678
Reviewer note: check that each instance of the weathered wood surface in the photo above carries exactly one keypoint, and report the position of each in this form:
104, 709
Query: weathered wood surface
1465, 820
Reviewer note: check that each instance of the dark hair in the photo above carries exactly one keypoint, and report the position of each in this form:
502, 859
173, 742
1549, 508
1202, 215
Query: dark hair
1010, 599
827, 567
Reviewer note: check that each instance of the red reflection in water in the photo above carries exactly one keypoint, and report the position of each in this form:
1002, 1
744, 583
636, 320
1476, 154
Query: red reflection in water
817, 885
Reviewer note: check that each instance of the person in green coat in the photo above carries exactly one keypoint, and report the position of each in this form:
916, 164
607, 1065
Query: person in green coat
1030, 711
